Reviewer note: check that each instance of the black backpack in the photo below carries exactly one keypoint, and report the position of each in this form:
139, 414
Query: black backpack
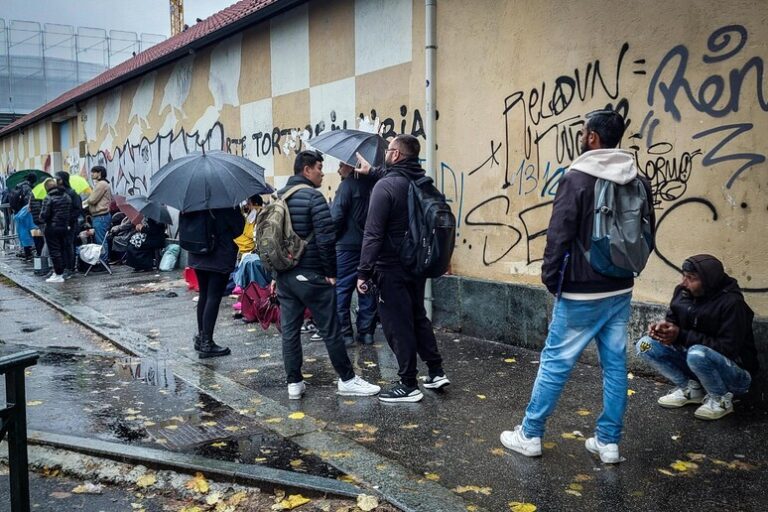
197, 233
18, 196
428, 244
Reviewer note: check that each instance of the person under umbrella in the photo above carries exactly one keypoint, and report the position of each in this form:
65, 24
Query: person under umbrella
54, 215
207, 188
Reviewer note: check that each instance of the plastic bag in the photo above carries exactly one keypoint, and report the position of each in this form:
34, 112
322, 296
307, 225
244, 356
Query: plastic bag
170, 257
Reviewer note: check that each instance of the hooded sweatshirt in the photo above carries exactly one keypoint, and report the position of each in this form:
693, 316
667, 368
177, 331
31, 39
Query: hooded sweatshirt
719, 319
387, 219
571, 220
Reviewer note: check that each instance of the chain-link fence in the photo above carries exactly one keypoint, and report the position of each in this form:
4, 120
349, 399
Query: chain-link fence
39, 62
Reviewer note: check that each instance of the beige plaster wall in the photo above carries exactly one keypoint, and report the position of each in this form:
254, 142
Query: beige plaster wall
515, 79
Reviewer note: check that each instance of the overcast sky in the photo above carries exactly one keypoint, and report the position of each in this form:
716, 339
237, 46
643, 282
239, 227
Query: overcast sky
147, 16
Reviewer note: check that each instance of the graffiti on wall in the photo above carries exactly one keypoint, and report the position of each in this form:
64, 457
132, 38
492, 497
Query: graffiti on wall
543, 125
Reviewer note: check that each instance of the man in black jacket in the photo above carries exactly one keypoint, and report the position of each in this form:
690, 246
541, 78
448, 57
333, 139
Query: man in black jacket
706, 340
349, 211
310, 284
55, 219
401, 296
588, 305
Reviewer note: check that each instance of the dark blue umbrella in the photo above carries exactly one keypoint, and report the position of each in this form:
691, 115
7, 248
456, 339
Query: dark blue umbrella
150, 209
207, 181
345, 144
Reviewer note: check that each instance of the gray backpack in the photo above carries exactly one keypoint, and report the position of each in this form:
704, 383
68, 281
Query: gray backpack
622, 234
278, 246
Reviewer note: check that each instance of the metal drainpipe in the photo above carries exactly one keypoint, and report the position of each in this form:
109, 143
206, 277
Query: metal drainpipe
430, 51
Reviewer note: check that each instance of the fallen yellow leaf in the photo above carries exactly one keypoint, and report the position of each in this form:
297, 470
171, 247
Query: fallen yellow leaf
259, 460
572, 492
209, 424
516, 506
249, 371
233, 428
191, 509
273, 420
696, 457
665, 472
510, 360
582, 478
32, 403
198, 484
291, 502
251, 329
237, 498
296, 463
146, 480
171, 427
348, 479
630, 392
296, 415
366, 502
149, 423
213, 498
409, 426
131, 412
432, 476
576, 487
219, 444
549, 445
682, 465
264, 356
481, 397
307, 375
472, 488
583, 412
498, 451
472, 508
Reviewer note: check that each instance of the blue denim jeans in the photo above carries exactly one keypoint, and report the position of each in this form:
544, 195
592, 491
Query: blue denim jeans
574, 324
716, 373
101, 225
346, 283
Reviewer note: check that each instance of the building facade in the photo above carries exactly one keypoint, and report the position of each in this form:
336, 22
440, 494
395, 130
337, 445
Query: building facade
514, 80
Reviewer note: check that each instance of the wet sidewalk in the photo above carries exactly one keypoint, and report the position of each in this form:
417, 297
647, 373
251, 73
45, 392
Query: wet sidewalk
440, 454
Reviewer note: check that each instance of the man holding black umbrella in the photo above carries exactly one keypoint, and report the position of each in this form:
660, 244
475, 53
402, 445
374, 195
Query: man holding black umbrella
311, 283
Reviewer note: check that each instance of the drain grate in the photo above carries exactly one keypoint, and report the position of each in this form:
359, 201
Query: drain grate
197, 431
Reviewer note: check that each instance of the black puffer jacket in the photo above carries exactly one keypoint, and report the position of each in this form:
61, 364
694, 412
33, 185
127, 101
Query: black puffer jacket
720, 319
310, 215
387, 219
35, 207
55, 211
77, 207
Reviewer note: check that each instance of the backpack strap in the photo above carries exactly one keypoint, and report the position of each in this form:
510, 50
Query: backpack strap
288, 193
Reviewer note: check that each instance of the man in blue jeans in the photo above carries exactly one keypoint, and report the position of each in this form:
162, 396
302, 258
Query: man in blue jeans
705, 345
349, 211
588, 305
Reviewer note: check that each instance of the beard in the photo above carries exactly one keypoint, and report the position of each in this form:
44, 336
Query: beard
584, 148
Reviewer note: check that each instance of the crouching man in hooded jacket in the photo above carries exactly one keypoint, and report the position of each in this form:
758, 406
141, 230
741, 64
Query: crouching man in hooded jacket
705, 345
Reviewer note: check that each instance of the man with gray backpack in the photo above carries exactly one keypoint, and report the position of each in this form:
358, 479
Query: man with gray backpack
600, 235
296, 241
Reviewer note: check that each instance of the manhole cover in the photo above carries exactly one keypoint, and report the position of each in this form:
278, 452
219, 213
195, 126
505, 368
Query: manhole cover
200, 430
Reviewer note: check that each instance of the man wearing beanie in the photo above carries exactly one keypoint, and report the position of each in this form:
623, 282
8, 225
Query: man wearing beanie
705, 345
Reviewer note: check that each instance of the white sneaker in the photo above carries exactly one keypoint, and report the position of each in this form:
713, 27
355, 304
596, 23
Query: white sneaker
516, 441
609, 452
435, 382
357, 386
316, 337
715, 407
55, 278
693, 393
296, 390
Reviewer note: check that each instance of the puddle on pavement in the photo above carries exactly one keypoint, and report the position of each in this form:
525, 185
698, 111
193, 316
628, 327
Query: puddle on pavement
140, 401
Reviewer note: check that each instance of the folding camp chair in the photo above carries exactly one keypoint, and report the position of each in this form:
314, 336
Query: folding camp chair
91, 254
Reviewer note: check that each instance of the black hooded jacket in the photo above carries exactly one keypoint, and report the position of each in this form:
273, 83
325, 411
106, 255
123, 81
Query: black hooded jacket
310, 215
720, 319
349, 211
387, 220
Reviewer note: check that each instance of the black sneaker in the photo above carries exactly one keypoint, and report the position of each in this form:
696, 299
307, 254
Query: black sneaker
435, 382
401, 393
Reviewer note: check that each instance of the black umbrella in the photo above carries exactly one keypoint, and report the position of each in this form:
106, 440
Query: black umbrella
344, 144
207, 181
151, 209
